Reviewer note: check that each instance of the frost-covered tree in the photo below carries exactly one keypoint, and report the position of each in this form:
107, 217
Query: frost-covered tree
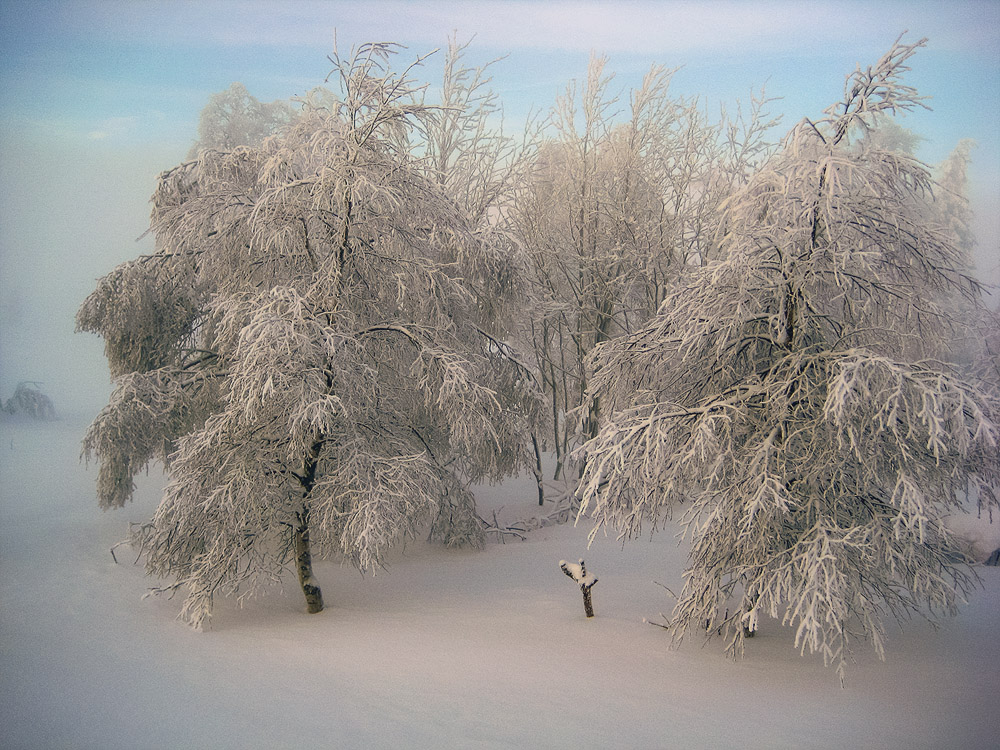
986, 359
467, 150
616, 202
30, 400
312, 351
790, 396
952, 198
885, 133
235, 117
481, 169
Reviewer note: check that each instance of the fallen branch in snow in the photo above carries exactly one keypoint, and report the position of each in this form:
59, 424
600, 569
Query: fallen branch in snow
502, 532
578, 572
565, 506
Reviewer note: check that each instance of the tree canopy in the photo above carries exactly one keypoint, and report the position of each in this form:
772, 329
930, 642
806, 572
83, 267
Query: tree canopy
235, 117
792, 397
313, 350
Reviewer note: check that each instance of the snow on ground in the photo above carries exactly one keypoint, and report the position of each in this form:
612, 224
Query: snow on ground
445, 649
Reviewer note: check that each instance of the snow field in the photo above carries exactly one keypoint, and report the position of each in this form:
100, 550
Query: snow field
444, 649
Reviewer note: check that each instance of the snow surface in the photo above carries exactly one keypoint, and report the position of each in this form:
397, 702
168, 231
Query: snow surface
445, 649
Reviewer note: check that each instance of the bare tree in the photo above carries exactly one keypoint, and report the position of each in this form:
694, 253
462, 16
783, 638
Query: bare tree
311, 351
791, 396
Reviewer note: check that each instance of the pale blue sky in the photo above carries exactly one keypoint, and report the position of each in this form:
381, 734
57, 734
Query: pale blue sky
97, 97
141, 70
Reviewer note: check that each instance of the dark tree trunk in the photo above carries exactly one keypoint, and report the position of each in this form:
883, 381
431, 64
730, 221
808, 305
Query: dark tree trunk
303, 565
300, 532
588, 605
537, 470
579, 574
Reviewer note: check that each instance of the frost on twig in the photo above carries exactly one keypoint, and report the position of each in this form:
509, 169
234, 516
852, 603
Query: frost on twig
578, 572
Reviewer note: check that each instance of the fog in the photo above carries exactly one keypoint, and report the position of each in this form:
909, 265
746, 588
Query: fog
70, 212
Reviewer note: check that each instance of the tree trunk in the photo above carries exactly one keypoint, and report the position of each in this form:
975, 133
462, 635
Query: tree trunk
303, 564
579, 574
537, 469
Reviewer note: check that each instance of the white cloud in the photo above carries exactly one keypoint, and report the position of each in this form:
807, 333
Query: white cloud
114, 127
74, 128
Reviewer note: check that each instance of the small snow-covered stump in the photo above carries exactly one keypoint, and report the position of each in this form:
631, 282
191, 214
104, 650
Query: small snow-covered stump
578, 572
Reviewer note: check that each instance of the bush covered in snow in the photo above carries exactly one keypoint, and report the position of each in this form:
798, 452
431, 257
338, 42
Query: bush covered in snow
29, 400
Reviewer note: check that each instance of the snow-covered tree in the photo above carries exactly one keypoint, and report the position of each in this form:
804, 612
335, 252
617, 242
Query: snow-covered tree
467, 150
790, 395
312, 351
235, 117
30, 400
986, 362
614, 205
481, 169
952, 198
885, 133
